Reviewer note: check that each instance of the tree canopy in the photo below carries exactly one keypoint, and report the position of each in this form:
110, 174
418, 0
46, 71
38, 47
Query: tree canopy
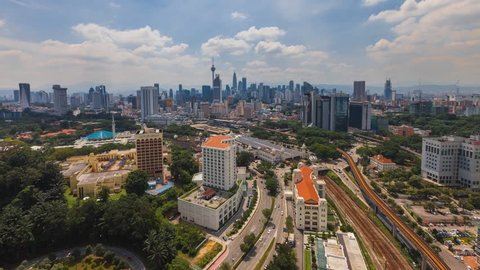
137, 182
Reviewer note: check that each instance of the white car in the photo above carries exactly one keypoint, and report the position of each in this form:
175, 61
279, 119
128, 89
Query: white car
269, 231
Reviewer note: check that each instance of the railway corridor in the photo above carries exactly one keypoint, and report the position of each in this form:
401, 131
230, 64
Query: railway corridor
383, 252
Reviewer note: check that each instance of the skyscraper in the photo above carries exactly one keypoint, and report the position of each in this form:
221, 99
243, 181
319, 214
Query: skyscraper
207, 93
291, 85
234, 82
149, 101
149, 146
16, 95
60, 105
217, 89
387, 93
360, 115
359, 91
244, 84
24, 95
327, 112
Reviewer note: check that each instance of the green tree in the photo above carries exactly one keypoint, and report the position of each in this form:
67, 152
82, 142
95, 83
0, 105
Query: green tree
160, 248
267, 212
183, 165
16, 233
272, 185
289, 224
178, 264
248, 242
225, 266
429, 206
284, 259
137, 182
104, 194
244, 158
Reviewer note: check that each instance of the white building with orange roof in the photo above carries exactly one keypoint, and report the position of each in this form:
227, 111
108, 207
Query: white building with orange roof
213, 203
219, 162
310, 203
382, 163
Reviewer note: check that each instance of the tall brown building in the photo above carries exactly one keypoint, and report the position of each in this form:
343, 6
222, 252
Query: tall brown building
149, 152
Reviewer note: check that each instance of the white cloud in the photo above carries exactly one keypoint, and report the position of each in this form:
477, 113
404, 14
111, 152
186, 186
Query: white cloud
144, 35
263, 33
238, 16
275, 47
219, 45
2, 23
372, 2
114, 5
432, 38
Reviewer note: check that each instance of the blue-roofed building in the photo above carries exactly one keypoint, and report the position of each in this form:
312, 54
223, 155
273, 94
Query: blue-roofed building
100, 136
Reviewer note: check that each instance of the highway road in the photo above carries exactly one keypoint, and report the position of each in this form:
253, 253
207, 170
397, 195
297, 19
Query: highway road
422, 246
255, 225
274, 228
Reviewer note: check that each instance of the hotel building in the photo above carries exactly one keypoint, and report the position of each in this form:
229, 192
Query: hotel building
149, 143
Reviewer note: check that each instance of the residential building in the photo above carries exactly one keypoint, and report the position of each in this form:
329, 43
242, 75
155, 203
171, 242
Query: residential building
382, 163
310, 203
360, 115
219, 162
25, 99
60, 104
149, 101
149, 145
452, 161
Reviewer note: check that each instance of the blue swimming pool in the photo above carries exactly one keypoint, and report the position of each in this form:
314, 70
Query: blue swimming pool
160, 190
100, 135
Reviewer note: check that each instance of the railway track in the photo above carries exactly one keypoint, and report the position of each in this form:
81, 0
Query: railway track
383, 252
434, 260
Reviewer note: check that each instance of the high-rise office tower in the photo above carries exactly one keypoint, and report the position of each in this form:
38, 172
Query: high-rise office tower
244, 84
207, 93
149, 143
234, 82
359, 91
149, 101
24, 95
228, 91
291, 85
217, 89
387, 93
60, 105
170, 94
219, 162
360, 115
16, 95
327, 112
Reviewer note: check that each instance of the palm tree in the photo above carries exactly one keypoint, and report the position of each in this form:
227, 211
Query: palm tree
160, 248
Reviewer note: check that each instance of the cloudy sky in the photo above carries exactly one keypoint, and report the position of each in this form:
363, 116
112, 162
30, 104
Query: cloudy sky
125, 44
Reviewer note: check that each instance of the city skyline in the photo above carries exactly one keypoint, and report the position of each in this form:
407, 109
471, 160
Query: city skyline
126, 44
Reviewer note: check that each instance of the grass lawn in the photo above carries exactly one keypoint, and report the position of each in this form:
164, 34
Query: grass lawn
71, 200
207, 253
93, 262
116, 196
307, 259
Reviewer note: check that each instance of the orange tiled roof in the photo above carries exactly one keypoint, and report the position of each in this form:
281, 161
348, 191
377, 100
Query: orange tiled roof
217, 141
305, 187
382, 159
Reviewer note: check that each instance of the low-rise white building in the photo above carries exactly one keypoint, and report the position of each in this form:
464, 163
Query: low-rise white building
210, 208
310, 204
382, 163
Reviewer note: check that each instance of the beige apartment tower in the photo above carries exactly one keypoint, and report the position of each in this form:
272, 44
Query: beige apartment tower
148, 143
